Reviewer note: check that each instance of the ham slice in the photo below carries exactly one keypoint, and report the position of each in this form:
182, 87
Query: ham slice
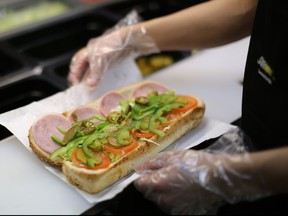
147, 87
84, 112
110, 101
45, 127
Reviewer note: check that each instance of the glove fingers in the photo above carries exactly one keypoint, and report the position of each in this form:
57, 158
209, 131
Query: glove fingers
157, 162
167, 190
78, 66
93, 77
163, 179
151, 181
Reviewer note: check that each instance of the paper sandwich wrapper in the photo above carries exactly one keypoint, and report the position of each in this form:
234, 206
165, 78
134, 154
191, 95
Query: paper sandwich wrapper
19, 121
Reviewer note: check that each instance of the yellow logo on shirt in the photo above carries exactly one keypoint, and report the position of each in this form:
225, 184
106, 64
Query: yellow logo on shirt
265, 70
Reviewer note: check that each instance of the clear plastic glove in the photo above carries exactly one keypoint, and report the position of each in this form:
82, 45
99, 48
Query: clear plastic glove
101, 53
199, 182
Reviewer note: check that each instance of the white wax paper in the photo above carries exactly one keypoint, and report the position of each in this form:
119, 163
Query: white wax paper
19, 121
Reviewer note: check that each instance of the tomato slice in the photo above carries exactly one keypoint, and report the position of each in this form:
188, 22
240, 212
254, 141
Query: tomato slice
139, 134
122, 150
105, 161
191, 102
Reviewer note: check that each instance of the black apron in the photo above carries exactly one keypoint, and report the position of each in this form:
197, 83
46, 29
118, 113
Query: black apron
265, 91
265, 96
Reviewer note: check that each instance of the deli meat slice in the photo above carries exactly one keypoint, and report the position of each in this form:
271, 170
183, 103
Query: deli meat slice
147, 87
83, 112
109, 102
46, 126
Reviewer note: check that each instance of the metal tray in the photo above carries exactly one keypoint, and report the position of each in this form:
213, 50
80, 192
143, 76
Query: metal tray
49, 43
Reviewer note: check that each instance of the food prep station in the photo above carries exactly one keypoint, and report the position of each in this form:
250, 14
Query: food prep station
35, 57
34, 63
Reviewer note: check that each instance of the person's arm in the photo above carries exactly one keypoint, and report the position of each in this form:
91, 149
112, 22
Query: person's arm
196, 182
272, 166
209, 24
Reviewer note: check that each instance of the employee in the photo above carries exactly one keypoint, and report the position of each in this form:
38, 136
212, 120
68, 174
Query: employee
198, 182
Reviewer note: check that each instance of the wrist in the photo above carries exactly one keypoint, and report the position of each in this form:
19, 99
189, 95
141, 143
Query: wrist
136, 39
271, 166
249, 179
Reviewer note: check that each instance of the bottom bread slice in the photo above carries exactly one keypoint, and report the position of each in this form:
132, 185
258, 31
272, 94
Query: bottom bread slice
94, 181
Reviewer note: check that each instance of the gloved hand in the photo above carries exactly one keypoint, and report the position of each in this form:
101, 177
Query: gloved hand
199, 182
126, 39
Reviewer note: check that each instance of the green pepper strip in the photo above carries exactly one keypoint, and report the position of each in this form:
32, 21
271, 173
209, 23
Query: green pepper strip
62, 150
125, 107
167, 99
136, 110
152, 127
140, 112
57, 140
152, 107
91, 162
123, 137
168, 107
61, 130
98, 117
97, 144
101, 126
88, 141
158, 115
145, 114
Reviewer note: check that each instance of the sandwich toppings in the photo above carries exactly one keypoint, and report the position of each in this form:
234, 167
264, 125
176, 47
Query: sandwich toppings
116, 127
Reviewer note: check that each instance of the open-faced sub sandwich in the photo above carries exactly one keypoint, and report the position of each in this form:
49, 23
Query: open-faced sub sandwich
98, 143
